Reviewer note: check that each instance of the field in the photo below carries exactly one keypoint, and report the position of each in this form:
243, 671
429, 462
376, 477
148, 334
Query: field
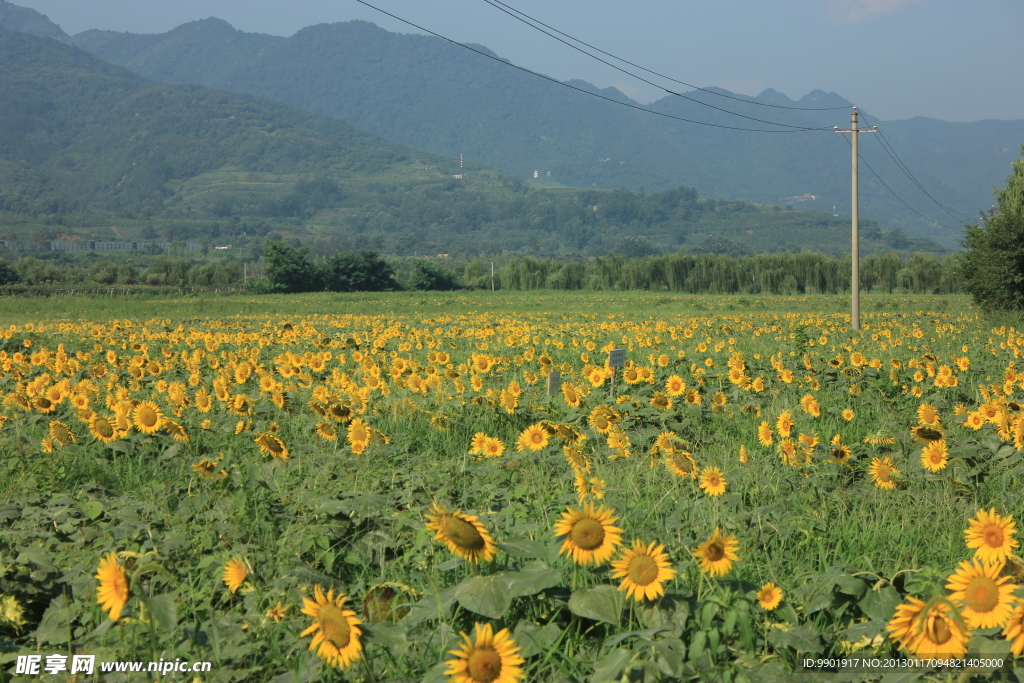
234, 479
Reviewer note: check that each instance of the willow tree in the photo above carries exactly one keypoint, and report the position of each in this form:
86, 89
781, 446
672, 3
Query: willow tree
992, 266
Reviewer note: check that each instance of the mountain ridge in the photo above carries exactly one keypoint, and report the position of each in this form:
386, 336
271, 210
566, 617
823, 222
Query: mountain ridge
423, 92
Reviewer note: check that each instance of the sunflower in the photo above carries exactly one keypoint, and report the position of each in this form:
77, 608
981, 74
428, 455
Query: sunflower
112, 593
235, 573
927, 415
848, 414
335, 629
358, 435
769, 596
903, 627
590, 537
934, 456
271, 445
571, 394
326, 431
765, 436
681, 463
675, 386
61, 434
493, 447
927, 434
882, 472
975, 420
533, 438
488, 658
463, 534
717, 554
277, 612
987, 598
991, 536
939, 634
644, 569
1013, 631
176, 431
147, 417
602, 419
102, 429
784, 424
712, 482
810, 405
661, 401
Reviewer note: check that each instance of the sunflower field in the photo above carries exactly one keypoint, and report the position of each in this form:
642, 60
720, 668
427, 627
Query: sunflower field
463, 488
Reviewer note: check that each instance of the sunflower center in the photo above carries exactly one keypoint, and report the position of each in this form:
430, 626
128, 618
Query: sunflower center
982, 594
147, 417
462, 533
484, 665
937, 630
587, 534
643, 570
334, 626
994, 537
104, 428
715, 551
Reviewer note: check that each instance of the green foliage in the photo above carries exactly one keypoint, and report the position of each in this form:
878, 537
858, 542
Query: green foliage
427, 276
288, 269
992, 265
364, 272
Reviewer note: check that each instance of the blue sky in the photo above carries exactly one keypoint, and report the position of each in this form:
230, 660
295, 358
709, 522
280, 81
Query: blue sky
957, 60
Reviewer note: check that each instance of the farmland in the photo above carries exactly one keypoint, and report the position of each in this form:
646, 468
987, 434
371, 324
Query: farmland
234, 479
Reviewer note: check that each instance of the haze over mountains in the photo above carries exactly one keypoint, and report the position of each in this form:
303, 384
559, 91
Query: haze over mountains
424, 92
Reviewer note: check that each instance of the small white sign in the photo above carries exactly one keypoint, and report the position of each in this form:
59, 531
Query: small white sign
616, 358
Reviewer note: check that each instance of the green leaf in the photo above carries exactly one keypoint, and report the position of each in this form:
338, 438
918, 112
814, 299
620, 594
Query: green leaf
525, 548
486, 595
851, 585
36, 556
868, 628
392, 636
91, 508
800, 638
430, 607
600, 603
533, 639
162, 611
880, 604
609, 668
618, 638
531, 579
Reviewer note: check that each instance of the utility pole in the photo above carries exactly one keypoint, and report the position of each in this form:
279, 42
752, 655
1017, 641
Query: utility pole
492, 276
855, 221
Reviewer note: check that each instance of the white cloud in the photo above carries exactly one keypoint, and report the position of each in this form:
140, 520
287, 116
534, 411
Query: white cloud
851, 11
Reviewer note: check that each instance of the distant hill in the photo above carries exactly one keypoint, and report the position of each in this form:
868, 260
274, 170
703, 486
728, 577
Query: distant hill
27, 20
80, 135
424, 92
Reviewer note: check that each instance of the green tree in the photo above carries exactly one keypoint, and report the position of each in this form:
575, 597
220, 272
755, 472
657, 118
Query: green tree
365, 272
288, 269
992, 266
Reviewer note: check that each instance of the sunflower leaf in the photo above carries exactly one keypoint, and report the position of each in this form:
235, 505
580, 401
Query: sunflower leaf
163, 610
531, 579
486, 595
600, 603
524, 548
609, 668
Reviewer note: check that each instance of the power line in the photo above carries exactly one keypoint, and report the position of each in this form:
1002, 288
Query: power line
887, 146
495, 5
572, 87
879, 178
625, 61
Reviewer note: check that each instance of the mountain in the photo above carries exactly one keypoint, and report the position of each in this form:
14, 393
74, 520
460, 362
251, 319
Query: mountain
77, 132
27, 20
79, 136
424, 92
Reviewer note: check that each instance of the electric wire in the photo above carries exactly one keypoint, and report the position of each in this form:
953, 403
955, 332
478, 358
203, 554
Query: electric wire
886, 186
887, 146
586, 92
655, 73
495, 5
